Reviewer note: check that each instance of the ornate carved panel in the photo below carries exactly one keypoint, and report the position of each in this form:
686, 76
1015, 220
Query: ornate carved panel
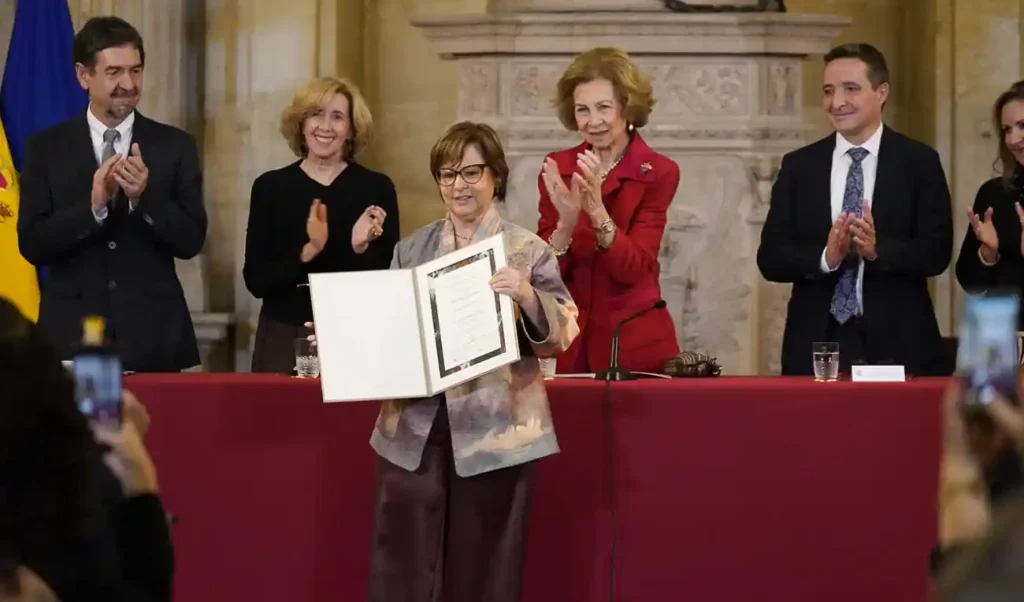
529, 87
699, 88
782, 87
478, 89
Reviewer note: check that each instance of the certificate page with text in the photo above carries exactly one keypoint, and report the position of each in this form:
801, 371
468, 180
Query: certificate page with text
469, 329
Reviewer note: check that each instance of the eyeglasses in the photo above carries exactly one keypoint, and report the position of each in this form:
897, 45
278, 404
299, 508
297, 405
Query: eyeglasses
471, 174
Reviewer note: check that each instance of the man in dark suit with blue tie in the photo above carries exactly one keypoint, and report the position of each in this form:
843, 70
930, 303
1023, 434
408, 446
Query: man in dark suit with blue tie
108, 200
858, 222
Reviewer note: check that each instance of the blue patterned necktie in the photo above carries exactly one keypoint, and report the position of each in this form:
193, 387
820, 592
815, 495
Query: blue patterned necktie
844, 297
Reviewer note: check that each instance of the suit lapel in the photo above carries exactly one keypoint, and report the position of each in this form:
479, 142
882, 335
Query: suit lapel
83, 153
821, 185
886, 174
141, 135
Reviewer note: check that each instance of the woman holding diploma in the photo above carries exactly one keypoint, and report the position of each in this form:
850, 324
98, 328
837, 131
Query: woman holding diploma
603, 208
456, 471
322, 213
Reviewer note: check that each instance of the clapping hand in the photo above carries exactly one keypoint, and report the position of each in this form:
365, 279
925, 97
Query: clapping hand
838, 246
863, 230
132, 174
985, 231
368, 228
103, 183
316, 230
566, 201
590, 180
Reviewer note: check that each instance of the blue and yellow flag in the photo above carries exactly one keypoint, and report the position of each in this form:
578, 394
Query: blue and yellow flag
39, 89
18, 281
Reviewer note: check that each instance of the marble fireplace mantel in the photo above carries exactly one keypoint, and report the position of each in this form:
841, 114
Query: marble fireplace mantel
651, 32
729, 105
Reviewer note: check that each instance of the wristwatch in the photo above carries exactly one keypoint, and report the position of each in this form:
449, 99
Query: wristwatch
606, 231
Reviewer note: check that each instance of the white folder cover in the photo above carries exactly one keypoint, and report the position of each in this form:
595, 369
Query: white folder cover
401, 334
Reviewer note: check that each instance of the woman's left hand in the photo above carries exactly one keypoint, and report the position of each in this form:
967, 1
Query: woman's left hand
368, 227
512, 282
589, 178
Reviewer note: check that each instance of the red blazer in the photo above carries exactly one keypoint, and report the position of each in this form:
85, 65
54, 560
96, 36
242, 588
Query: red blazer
608, 285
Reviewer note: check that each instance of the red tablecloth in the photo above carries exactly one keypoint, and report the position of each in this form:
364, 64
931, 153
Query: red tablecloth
729, 489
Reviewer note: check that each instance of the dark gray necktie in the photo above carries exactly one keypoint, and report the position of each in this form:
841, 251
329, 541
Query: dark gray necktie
110, 137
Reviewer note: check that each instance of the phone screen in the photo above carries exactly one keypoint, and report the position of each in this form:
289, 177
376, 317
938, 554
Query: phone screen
988, 355
98, 387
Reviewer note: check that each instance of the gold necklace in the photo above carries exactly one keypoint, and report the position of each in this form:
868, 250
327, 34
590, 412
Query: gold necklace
458, 236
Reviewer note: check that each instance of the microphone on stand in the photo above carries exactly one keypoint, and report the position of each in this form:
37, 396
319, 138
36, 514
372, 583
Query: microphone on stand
614, 373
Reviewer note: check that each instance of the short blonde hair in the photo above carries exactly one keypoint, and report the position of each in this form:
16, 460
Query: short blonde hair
308, 99
632, 89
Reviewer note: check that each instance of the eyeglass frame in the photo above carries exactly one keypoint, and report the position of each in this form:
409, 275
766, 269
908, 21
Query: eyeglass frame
458, 173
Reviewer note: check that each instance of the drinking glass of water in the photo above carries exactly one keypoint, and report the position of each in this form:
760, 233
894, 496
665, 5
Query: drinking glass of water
307, 363
826, 362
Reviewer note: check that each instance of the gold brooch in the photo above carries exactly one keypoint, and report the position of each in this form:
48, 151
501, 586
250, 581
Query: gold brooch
645, 167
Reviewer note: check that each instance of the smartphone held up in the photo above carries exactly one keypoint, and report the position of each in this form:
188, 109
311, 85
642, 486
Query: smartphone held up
989, 350
97, 372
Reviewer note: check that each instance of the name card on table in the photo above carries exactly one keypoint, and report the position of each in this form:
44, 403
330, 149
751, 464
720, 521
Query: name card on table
878, 374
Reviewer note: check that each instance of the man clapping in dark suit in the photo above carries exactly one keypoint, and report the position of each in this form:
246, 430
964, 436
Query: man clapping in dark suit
858, 222
110, 252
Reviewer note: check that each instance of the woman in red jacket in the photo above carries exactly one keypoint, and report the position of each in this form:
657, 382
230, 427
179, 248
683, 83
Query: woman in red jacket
603, 208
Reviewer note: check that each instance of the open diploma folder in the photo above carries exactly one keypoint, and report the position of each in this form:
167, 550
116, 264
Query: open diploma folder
400, 334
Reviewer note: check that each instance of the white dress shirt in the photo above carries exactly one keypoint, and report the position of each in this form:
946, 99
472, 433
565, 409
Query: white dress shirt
841, 163
121, 146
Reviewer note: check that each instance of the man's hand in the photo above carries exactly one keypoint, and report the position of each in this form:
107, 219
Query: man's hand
103, 184
863, 230
838, 245
132, 174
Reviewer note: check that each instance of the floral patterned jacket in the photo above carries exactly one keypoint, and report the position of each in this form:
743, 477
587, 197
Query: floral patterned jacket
502, 418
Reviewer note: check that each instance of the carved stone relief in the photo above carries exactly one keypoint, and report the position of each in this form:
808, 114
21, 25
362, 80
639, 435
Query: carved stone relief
478, 89
782, 87
763, 169
696, 88
529, 88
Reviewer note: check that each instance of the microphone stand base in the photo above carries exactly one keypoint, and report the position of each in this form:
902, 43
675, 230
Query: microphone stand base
615, 374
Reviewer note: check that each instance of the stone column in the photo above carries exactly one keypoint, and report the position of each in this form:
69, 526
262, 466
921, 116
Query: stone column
729, 106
